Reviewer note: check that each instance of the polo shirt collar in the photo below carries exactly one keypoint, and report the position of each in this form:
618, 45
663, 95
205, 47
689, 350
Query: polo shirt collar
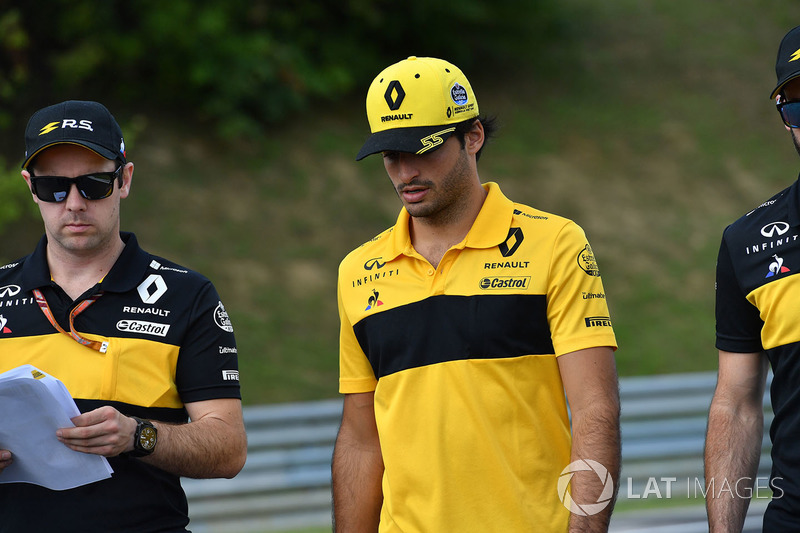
489, 229
130, 267
126, 273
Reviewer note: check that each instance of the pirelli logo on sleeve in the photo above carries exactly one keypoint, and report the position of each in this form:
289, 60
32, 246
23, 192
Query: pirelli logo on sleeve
230, 375
598, 321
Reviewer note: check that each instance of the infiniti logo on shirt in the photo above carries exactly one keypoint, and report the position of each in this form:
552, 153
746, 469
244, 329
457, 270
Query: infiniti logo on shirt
9, 291
775, 228
375, 263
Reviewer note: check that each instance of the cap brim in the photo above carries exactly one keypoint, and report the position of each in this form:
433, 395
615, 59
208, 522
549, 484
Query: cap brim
793, 76
96, 148
416, 140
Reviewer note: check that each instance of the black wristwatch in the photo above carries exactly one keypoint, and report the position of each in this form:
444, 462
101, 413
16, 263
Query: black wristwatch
144, 439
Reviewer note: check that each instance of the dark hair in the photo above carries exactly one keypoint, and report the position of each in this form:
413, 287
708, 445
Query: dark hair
489, 130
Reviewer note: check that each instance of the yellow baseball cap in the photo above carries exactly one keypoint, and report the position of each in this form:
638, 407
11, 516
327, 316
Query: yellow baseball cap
414, 105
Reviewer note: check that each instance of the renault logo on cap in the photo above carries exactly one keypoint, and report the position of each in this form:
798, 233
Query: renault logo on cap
392, 101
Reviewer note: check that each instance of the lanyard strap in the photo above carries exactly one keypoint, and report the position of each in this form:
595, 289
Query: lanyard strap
94, 345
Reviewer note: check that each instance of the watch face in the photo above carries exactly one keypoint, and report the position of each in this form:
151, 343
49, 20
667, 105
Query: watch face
147, 438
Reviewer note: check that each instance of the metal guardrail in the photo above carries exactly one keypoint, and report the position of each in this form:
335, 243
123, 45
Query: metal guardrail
285, 483
663, 434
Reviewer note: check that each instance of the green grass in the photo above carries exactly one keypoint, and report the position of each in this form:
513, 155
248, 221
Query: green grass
648, 123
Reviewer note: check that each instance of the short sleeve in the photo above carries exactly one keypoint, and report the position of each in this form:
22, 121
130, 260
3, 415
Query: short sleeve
355, 372
738, 321
208, 366
577, 309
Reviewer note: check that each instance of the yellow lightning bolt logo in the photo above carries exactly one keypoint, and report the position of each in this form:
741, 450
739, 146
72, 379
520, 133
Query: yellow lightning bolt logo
795, 56
53, 125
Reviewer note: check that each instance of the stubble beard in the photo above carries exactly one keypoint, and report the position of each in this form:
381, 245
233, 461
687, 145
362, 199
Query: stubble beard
96, 241
449, 195
795, 139
79, 245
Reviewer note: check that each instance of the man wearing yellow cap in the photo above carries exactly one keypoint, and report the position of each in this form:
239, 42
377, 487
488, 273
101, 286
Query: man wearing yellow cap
462, 328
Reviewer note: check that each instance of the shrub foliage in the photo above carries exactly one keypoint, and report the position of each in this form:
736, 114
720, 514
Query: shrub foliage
239, 65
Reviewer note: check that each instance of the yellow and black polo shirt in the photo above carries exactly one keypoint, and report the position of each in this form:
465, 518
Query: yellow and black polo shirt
469, 402
169, 342
757, 310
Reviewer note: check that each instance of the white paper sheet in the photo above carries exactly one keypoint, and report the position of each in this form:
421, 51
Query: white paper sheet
33, 405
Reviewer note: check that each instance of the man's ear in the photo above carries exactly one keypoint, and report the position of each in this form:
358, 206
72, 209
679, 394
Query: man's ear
125, 180
474, 138
27, 177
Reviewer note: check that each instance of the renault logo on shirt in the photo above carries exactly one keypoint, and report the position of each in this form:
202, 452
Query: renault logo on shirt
512, 242
152, 288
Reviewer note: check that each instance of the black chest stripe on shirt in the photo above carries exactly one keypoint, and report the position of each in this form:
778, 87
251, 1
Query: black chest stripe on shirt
451, 328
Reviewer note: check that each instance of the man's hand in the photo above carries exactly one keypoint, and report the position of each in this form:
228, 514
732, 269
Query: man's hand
5, 460
104, 431
213, 444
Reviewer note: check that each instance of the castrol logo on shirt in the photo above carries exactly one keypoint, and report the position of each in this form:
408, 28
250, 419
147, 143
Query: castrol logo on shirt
146, 328
497, 283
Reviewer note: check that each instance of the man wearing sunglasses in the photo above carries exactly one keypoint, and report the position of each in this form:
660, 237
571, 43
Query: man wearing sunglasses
143, 345
758, 325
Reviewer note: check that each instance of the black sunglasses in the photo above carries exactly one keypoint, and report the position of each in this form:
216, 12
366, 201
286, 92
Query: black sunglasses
94, 186
790, 113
